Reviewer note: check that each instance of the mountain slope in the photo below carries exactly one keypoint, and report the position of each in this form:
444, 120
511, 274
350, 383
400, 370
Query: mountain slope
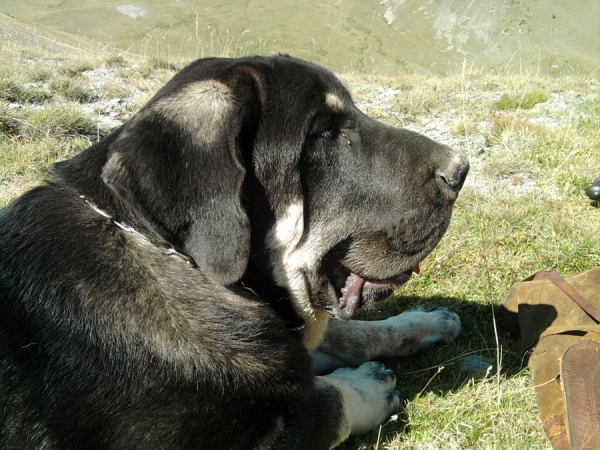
529, 36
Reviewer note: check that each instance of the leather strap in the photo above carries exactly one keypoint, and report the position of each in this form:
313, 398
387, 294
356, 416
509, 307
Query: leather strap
564, 286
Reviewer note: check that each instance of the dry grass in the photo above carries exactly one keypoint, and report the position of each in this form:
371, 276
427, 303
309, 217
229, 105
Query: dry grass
51, 102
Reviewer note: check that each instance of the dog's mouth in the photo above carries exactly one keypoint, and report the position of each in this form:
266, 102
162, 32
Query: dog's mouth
350, 288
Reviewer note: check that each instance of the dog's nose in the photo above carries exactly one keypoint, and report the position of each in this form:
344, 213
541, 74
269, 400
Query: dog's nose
452, 174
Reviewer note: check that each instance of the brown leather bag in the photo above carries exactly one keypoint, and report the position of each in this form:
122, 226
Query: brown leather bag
557, 320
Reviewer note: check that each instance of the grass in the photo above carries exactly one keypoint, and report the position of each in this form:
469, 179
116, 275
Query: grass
522, 209
527, 100
51, 103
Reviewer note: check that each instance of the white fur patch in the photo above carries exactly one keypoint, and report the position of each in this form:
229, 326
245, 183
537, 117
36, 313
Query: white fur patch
315, 329
290, 259
202, 108
334, 102
368, 396
293, 255
289, 229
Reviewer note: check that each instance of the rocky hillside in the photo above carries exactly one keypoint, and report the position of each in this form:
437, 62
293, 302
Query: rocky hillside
385, 36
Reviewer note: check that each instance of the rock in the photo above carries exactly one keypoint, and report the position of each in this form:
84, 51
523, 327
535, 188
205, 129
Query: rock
477, 366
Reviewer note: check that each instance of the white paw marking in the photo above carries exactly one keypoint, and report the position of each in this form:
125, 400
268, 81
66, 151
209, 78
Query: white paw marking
368, 395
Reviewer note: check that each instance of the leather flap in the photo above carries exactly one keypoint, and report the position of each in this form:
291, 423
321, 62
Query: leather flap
580, 373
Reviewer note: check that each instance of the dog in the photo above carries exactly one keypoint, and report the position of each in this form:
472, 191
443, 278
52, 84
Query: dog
187, 281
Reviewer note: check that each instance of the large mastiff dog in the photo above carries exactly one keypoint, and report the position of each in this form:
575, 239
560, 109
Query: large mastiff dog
165, 288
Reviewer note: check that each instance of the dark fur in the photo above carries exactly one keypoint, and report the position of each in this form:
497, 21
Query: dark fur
114, 341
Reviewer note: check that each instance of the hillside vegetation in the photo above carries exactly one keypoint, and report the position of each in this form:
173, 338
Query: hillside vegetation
534, 146
522, 36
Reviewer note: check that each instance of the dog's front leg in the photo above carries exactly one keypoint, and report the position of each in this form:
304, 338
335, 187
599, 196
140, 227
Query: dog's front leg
355, 342
347, 401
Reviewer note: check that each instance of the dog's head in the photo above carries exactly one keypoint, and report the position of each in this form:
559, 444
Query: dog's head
265, 166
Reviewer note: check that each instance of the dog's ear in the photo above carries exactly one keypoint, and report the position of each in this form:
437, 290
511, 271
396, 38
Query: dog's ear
179, 164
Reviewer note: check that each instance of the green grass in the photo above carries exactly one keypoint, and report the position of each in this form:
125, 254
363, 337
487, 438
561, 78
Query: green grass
526, 100
523, 209
42, 98
115, 60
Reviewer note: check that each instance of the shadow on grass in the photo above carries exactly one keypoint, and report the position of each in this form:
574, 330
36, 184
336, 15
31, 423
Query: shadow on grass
441, 370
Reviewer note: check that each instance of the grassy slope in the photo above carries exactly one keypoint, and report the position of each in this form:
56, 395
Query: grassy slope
385, 36
57, 97
523, 209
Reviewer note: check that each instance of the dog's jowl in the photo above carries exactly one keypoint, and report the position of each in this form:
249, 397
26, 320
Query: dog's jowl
187, 281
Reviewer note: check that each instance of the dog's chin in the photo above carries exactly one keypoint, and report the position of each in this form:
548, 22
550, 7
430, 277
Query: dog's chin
376, 294
347, 290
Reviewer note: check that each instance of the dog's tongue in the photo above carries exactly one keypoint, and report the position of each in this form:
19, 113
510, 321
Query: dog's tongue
352, 292
351, 295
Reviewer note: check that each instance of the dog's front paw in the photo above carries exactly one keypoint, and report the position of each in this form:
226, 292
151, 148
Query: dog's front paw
368, 395
420, 329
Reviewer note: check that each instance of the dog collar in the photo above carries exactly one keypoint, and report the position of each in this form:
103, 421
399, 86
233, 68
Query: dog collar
128, 229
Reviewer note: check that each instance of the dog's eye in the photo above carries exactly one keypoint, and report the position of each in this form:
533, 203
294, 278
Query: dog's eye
350, 124
330, 133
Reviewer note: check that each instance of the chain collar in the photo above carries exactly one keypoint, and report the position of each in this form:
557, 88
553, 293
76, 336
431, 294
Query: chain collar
128, 229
